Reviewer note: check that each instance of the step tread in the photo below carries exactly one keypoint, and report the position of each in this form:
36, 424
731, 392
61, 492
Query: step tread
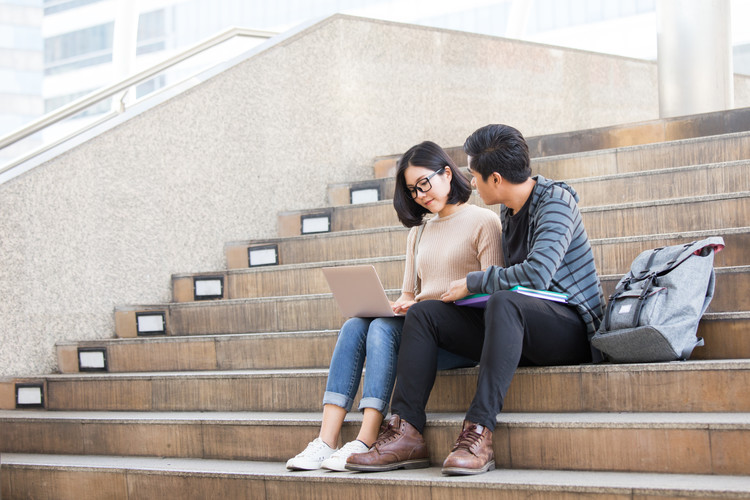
674, 366
572, 481
594, 208
620, 420
197, 338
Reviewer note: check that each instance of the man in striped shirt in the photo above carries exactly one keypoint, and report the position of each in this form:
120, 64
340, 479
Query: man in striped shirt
545, 247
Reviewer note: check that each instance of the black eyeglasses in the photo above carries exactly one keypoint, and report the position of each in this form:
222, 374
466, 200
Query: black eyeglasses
423, 185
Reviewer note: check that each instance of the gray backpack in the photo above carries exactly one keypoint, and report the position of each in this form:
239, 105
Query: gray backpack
654, 312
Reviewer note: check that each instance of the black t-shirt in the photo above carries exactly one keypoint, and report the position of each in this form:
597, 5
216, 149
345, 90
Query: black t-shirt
515, 236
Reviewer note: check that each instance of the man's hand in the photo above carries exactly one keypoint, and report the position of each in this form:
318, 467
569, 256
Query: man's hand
456, 291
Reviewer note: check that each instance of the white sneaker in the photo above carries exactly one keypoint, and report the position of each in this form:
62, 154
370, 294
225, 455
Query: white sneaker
337, 461
311, 457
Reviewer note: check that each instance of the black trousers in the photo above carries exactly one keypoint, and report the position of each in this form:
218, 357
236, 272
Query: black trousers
513, 329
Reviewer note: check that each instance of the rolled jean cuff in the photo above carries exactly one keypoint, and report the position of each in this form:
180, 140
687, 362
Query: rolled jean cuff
375, 403
334, 398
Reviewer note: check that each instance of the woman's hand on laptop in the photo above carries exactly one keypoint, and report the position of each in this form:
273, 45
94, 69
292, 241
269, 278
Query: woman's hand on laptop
403, 303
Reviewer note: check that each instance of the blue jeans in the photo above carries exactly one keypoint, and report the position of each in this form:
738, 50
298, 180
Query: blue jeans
379, 340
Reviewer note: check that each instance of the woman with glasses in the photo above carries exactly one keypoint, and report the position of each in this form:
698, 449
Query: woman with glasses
458, 239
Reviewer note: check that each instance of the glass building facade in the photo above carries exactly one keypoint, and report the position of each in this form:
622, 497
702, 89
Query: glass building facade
54, 51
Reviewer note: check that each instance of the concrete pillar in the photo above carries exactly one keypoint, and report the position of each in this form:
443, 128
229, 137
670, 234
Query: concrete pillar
124, 42
694, 46
518, 18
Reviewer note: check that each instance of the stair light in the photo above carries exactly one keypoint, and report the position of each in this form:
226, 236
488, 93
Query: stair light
316, 224
29, 396
208, 288
263, 256
364, 195
92, 359
151, 323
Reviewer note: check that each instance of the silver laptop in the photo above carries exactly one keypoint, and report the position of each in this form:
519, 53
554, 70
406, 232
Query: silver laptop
358, 291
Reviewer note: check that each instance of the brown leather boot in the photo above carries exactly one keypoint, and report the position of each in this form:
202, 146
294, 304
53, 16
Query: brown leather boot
472, 453
399, 446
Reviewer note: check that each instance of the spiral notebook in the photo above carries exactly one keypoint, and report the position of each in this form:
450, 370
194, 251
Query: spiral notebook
358, 291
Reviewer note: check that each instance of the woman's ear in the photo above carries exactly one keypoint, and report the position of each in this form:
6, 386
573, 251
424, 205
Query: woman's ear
448, 172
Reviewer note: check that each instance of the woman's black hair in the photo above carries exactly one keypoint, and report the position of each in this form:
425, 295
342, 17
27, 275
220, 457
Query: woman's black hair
427, 155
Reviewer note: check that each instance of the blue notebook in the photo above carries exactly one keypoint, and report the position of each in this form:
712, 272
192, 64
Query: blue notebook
480, 299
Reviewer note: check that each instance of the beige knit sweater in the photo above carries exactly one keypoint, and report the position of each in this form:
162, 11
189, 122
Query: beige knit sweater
465, 241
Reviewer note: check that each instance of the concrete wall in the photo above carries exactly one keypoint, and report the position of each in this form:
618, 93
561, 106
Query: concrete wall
109, 221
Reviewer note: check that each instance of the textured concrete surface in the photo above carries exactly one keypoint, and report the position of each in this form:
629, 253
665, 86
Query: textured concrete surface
109, 221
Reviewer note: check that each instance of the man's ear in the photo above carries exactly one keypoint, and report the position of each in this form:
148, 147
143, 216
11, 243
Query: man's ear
497, 179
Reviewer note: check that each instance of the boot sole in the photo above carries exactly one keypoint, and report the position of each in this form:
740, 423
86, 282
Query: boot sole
463, 471
406, 464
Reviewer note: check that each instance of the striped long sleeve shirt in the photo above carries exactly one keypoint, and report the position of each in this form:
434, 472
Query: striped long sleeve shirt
560, 256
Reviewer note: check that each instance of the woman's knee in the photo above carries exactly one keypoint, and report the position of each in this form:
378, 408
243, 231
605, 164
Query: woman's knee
383, 334
353, 334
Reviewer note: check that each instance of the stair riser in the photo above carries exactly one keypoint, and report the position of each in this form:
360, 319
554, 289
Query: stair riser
320, 312
730, 295
611, 258
652, 157
230, 352
302, 281
325, 247
616, 257
569, 391
683, 450
599, 223
662, 186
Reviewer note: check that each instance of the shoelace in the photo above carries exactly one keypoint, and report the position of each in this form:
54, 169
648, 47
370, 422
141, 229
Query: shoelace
313, 447
467, 439
387, 433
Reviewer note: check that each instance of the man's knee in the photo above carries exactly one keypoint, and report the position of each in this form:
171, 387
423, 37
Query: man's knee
504, 299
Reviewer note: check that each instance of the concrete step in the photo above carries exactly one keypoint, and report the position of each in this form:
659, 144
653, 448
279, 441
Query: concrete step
726, 335
322, 247
616, 136
320, 311
652, 216
690, 386
390, 241
681, 153
64, 477
613, 256
680, 443
252, 351
602, 190
731, 293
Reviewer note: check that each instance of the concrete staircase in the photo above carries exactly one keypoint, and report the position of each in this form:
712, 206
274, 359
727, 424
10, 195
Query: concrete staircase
208, 395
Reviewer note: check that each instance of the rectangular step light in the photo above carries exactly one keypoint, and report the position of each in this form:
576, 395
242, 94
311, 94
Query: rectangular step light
29, 395
208, 288
316, 224
364, 195
92, 359
267, 255
151, 323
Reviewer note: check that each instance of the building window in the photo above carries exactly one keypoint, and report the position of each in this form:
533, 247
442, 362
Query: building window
55, 6
78, 49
